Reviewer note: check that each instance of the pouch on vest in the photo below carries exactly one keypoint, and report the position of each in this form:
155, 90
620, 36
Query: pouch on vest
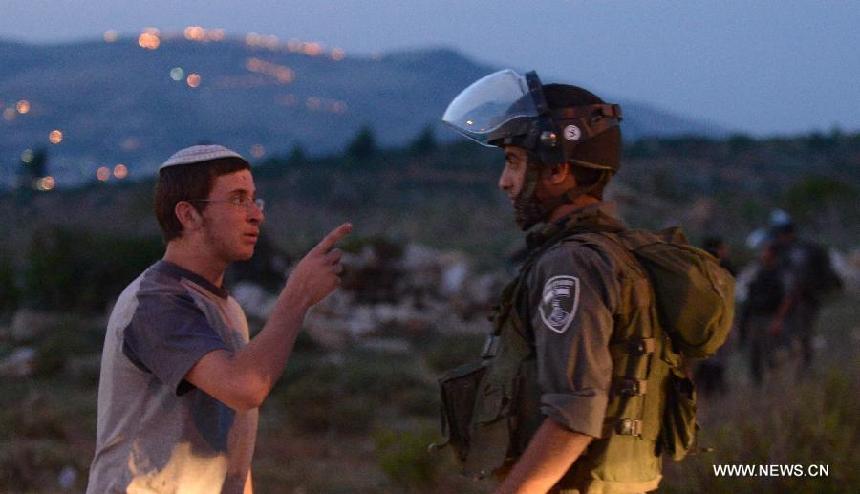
482, 414
678, 432
695, 295
483, 421
495, 423
459, 390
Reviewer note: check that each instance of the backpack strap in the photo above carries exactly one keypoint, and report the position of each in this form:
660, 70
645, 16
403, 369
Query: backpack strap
635, 350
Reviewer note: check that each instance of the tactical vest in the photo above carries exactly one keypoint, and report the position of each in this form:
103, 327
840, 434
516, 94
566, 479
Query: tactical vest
505, 396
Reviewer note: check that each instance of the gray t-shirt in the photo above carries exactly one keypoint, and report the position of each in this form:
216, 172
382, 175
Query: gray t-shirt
157, 433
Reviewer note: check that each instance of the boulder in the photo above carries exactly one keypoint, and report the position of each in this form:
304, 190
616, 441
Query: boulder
19, 363
28, 325
847, 266
254, 299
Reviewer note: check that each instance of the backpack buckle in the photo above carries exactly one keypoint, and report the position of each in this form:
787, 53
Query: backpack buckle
628, 427
643, 346
628, 386
637, 347
491, 346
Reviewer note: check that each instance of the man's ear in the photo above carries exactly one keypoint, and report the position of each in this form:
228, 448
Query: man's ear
188, 216
559, 173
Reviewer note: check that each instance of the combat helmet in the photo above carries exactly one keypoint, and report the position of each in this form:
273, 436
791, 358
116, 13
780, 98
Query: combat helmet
506, 108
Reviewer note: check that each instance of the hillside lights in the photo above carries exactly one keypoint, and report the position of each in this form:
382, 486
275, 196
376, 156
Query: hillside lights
120, 171
56, 136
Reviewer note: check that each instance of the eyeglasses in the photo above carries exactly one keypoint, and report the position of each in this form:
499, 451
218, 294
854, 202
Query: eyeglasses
242, 201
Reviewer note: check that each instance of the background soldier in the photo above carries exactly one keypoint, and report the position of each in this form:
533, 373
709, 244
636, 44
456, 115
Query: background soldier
765, 294
809, 277
585, 421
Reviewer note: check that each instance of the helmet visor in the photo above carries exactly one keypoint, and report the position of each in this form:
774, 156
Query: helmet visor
494, 107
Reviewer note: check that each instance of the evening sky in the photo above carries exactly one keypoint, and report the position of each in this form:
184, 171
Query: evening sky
763, 67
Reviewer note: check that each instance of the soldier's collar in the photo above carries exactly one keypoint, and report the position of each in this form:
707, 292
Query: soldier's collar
587, 217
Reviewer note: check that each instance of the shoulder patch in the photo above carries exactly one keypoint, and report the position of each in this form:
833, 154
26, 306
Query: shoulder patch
559, 302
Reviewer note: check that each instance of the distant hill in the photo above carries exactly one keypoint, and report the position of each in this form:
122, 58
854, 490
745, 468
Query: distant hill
117, 102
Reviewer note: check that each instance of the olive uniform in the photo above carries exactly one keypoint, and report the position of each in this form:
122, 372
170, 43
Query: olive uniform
587, 304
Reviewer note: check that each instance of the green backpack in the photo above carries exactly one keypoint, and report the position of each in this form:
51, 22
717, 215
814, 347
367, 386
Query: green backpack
694, 299
695, 295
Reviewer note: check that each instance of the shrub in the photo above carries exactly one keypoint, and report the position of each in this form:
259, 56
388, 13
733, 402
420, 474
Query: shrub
404, 457
40, 431
67, 341
318, 402
421, 402
363, 145
9, 292
81, 270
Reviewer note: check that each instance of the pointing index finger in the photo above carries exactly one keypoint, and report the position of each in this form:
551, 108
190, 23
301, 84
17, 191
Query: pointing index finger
329, 241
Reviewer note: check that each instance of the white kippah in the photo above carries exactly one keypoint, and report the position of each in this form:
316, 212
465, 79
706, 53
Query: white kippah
200, 153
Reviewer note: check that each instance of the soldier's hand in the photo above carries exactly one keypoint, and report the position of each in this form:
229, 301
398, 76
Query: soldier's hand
318, 273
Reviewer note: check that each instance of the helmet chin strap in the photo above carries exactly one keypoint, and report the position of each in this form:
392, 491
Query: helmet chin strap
529, 210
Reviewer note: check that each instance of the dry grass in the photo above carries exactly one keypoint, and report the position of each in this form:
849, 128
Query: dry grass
797, 418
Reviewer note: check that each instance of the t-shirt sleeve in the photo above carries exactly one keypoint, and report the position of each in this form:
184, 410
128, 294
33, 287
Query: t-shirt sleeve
573, 291
167, 335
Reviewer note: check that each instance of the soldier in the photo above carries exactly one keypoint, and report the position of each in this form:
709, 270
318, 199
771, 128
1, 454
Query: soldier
809, 278
765, 293
586, 402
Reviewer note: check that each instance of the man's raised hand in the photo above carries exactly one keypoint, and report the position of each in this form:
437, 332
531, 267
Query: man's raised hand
318, 273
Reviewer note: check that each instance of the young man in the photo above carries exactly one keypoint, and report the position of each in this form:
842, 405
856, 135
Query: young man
180, 381
572, 390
